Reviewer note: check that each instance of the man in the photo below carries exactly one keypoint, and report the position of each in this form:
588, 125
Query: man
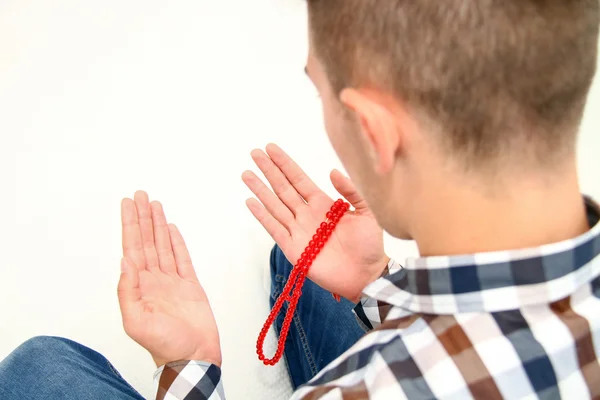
457, 121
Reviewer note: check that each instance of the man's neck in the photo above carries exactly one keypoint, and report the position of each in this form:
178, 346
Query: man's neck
526, 212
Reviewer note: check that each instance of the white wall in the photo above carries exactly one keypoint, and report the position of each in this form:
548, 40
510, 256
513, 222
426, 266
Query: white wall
98, 99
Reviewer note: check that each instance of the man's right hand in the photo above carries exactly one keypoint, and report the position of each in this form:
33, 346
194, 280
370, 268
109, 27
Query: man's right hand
164, 307
352, 258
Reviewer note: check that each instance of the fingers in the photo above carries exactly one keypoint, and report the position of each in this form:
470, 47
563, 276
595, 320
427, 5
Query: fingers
132, 237
162, 239
271, 225
294, 174
182, 255
346, 188
273, 204
145, 221
128, 289
280, 184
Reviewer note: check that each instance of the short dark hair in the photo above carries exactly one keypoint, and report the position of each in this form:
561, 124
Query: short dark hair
488, 73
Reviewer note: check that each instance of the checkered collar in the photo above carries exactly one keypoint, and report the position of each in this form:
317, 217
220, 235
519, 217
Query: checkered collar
497, 281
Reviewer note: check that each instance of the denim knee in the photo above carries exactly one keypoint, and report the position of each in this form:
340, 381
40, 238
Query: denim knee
37, 352
42, 345
46, 367
38, 344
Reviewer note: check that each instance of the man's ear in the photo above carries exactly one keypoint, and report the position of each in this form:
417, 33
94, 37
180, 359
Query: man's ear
378, 124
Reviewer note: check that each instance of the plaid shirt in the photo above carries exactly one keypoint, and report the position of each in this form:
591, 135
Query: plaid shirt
511, 324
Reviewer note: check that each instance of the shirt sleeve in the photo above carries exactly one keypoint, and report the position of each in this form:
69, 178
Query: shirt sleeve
189, 380
370, 312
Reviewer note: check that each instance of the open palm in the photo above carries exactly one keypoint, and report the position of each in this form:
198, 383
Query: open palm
352, 258
163, 305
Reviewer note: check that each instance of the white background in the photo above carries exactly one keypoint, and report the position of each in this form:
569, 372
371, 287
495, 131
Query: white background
98, 99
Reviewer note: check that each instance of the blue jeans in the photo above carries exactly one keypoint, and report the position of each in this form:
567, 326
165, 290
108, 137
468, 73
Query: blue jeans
57, 368
322, 328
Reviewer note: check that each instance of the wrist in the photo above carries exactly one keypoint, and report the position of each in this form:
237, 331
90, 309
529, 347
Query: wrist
209, 360
384, 268
376, 270
379, 269
203, 357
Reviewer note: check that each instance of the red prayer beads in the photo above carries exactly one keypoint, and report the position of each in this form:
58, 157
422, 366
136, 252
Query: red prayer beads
293, 288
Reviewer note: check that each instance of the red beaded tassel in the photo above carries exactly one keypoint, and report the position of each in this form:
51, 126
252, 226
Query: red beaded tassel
293, 288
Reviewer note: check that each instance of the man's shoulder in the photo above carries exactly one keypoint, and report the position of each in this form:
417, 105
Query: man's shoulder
508, 352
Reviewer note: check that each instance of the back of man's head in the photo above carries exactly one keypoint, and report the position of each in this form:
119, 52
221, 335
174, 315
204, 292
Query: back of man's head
453, 113
492, 75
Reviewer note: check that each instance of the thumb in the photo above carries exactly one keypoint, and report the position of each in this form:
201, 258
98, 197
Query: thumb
128, 288
346, 188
